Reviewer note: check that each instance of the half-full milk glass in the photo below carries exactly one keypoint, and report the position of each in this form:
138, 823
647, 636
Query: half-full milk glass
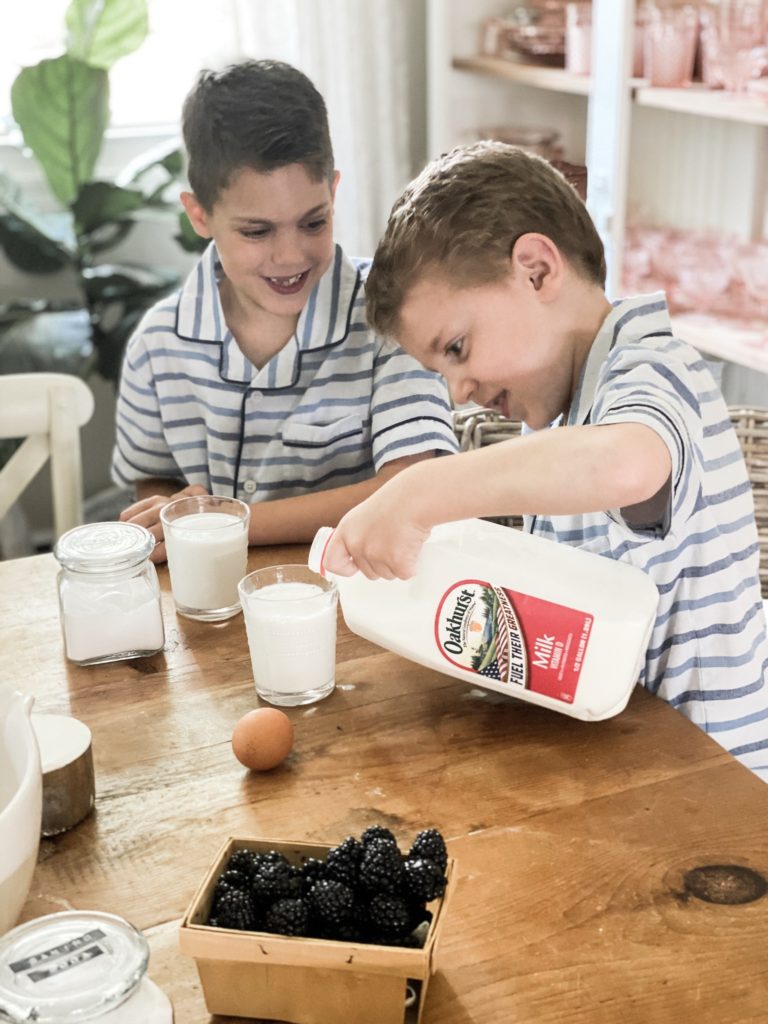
206, 541
290, 619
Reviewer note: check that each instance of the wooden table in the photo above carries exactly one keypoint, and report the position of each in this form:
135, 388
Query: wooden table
572, 840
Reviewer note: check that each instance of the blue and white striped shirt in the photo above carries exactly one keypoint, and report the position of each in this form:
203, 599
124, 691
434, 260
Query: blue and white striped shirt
330, 408
708, 655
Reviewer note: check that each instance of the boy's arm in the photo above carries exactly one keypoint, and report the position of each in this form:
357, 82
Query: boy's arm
283, 521
297, 519
158, 486
567, 470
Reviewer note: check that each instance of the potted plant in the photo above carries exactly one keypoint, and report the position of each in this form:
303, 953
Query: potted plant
61, 106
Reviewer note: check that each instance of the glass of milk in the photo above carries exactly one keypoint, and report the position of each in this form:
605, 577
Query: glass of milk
206, 541
290, 619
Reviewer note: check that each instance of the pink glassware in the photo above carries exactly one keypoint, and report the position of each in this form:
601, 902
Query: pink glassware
705, 272
578, 38
638, 41
671, 35
752, 271
733, 43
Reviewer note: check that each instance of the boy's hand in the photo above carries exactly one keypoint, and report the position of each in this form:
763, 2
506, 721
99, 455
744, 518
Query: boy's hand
380, 537
146, 513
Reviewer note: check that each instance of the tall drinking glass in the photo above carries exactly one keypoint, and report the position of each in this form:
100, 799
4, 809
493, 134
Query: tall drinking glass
733, 43
206, 540
671, 35
290, 619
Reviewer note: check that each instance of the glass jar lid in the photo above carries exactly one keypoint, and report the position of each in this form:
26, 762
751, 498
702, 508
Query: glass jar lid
72, 966
104, 547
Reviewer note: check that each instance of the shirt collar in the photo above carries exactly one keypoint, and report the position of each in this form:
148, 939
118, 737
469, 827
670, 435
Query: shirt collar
627, 322
323, 323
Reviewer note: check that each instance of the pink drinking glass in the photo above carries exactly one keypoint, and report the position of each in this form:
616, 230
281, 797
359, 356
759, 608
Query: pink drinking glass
671, 35
733, 43
704, 272
578, 38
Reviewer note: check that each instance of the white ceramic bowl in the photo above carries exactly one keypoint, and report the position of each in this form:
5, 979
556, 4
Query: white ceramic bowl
21, 803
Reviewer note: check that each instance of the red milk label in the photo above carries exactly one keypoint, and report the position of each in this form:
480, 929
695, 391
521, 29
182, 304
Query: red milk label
516, 639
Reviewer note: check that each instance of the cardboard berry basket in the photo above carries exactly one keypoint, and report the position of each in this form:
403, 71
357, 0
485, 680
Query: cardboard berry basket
303, 980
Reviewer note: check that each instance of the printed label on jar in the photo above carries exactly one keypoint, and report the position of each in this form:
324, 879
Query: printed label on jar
512, 638
77, 951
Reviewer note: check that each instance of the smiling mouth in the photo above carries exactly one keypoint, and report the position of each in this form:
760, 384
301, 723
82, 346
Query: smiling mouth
501, 403
288, 285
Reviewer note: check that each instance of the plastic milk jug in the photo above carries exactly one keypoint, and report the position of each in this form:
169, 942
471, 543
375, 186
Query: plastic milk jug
551, 624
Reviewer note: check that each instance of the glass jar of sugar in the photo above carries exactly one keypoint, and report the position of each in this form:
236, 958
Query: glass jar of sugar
109, 596
79, 966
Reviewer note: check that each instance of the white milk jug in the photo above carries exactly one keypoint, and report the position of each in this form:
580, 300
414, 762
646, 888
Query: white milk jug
511, 612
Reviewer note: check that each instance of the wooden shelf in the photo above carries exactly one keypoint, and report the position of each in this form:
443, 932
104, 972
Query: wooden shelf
704, 102
538, 75
735, 343
696, 99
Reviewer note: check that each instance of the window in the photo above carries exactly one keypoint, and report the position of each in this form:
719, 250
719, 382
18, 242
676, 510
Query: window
147, 87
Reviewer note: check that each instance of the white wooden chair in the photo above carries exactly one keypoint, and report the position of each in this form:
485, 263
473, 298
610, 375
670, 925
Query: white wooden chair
47, 411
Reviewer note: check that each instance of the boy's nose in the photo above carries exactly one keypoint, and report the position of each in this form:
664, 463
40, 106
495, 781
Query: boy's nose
286, 250
461, 390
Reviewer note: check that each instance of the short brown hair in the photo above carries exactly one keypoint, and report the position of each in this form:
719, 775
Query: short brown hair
257, 114
461, 217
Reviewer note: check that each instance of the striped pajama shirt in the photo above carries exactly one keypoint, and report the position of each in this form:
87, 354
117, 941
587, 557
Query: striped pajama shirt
330, 408
708, 655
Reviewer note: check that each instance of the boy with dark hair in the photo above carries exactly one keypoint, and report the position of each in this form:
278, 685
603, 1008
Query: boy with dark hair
261, 378
491, 272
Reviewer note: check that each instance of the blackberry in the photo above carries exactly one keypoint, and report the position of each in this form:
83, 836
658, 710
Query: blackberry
331, 903
381, 869
275, 880
233, 879
377, 832
234, 909
287, 917
431, 845
273, 857
353, 929
343, 862
389, 916
244, 861
423, 880
312, 871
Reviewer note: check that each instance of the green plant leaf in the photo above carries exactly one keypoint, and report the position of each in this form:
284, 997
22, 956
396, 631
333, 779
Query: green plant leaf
100, 202
166, 156
110, 282
103, 31
62, 108
108, 236
28, 249
55, 229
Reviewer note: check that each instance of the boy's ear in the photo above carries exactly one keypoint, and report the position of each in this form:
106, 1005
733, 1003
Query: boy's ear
536, 259
335, 184
198, 218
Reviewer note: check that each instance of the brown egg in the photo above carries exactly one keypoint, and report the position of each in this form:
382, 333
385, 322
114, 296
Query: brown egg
262, 738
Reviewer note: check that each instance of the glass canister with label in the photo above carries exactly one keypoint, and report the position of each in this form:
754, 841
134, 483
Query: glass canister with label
109, 596
79, 966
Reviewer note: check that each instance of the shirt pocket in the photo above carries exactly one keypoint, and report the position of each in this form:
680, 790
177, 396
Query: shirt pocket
320, 435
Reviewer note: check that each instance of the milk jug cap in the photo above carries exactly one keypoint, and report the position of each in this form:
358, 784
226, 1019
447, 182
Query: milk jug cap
317, 549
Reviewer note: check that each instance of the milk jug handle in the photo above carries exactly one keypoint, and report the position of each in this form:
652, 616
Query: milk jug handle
318, 548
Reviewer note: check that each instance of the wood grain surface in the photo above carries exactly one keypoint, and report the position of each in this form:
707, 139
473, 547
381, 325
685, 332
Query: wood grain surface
572, 841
